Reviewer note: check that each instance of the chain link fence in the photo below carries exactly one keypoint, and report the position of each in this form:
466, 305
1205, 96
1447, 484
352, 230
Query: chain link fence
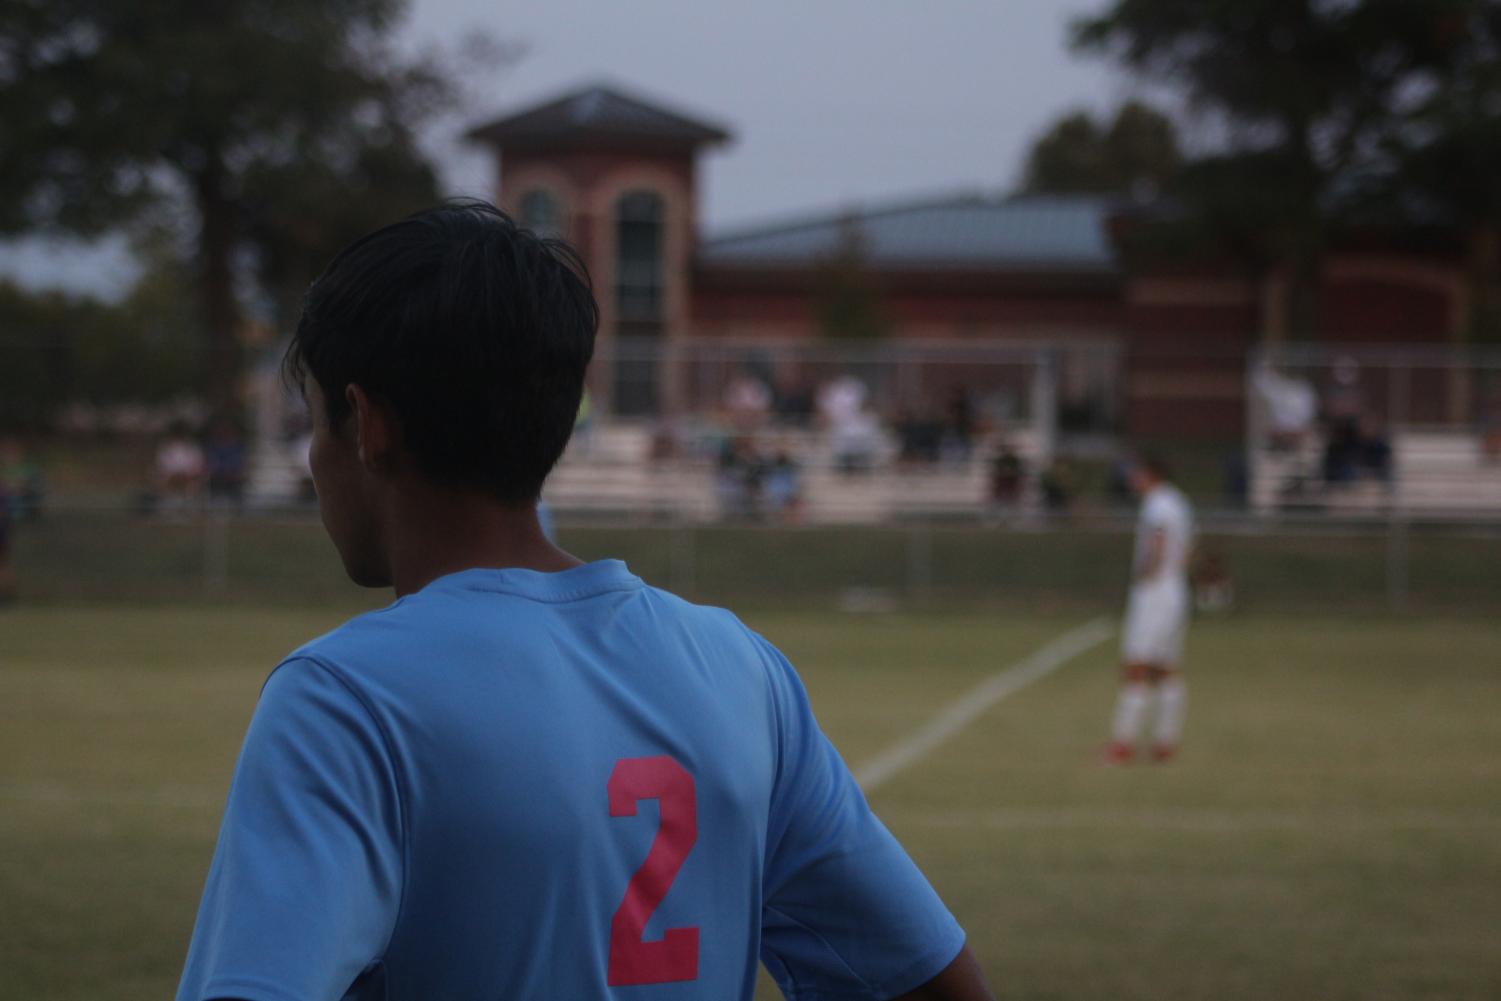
1300, 565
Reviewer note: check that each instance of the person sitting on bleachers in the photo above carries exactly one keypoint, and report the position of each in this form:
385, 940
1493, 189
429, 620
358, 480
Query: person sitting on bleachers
747, 402
181, 470
783, 487
1291, 408
958, 426
1007, 476
740, 477
854, 432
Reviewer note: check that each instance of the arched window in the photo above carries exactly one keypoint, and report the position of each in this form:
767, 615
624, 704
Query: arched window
542, 213
639, 272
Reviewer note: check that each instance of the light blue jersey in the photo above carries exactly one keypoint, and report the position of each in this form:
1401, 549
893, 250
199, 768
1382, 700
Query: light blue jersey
518, 786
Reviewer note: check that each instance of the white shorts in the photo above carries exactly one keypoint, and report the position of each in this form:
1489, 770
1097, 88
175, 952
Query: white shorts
1156, 619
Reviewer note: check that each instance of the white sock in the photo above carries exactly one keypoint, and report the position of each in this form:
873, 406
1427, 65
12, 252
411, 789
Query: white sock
1130, 706
1172, 697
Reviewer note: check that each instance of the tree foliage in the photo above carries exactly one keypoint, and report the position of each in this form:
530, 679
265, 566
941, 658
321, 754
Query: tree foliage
58, 349
847, 297
277, 126
1307, 97
1444, 168
1135, 153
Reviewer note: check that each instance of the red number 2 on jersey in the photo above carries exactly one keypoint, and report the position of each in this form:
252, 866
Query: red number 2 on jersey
675, 957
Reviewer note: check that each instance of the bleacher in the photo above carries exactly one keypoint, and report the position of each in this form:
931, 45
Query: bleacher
1436, 473
608, 472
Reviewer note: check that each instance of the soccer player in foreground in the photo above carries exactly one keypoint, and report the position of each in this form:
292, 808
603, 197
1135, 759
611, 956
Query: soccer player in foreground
529, 777
1156, 617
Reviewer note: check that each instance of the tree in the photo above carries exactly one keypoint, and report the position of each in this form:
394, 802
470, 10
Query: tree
1136, 153
224, 111
58, 349
36, 359
1069, 158
1444, 168
1304, 93
848, 300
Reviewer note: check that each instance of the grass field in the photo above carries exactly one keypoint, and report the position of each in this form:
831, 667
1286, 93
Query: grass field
1333, 829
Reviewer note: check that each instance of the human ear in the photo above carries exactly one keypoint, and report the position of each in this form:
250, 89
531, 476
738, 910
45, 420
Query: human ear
374, 431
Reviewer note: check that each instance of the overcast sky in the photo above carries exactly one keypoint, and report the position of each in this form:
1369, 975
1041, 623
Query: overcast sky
832, 102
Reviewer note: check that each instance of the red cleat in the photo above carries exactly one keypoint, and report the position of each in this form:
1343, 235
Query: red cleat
1118, 754
1164, 753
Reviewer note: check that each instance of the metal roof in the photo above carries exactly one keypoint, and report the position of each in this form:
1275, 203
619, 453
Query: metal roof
964, 232
597, 114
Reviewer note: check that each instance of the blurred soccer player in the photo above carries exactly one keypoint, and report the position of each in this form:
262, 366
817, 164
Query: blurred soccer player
529, 777
1156, 618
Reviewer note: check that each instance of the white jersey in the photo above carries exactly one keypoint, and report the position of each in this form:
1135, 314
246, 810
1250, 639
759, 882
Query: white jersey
1166, 511
1157, 613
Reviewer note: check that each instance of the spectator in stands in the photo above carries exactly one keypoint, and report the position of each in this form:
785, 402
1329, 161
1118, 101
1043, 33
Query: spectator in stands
1375, 449
1291, 408
854, 432
783, 486
1356, 450
1490, 425
958, 426
794, 401
1342, 453
740, 477
1343, 401
180, 469
23, 477
747, 402
919, 437
1059, 484
224, 458
1007, 477
665, 443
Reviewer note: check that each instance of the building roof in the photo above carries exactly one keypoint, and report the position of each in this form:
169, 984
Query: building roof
966, 232
596, 116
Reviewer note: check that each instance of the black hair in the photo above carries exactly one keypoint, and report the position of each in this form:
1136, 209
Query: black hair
474, 331
1154, 463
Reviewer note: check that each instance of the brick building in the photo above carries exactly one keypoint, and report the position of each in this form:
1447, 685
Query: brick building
1147, 351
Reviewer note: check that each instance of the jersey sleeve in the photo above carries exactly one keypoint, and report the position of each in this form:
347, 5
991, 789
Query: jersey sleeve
846, 913
306, 879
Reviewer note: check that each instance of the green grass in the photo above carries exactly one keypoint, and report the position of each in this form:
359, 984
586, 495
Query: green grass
1333, 829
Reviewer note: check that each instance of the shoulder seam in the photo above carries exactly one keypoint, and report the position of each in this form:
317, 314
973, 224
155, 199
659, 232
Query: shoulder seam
403, 798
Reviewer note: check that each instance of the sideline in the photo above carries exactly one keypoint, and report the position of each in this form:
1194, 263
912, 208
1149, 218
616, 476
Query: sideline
987, 693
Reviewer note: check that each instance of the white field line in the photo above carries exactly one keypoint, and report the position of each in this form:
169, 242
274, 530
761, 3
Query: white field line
950, 721
1191, 821
963, 711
